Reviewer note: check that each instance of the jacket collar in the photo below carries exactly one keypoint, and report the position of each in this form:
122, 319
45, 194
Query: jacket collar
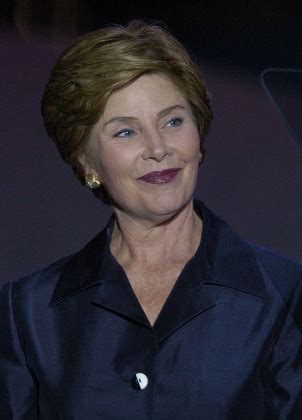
223, 259
84, 269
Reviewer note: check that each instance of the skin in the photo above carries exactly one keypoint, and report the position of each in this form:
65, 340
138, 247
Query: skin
156, 225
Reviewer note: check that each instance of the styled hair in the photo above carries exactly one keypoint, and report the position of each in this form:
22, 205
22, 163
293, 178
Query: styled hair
106, 60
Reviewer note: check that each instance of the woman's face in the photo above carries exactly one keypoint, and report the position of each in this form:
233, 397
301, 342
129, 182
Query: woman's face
146, 128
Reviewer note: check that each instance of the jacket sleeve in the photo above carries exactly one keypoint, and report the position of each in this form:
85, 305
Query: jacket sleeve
284, 370
18, 391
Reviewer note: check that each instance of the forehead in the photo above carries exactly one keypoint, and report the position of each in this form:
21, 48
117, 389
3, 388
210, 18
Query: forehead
150, 92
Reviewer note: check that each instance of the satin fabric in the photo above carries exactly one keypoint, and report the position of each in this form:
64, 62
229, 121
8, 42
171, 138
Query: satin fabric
226, 345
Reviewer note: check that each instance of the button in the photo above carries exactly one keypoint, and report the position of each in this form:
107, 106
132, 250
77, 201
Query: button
139, 381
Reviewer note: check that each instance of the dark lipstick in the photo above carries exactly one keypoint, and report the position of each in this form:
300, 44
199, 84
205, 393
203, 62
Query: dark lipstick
160, 177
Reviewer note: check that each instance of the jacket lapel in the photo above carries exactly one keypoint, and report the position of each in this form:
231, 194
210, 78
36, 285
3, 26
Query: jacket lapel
116, 294
84, 269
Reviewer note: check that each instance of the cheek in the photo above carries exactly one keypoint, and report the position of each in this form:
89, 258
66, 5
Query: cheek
190, 144
116, 164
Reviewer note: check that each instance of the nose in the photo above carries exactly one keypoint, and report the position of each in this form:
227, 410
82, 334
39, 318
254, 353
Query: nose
155, 146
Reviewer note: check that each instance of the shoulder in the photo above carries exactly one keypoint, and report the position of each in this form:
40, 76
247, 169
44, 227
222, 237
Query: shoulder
38, 287
285, 272
39, 283
248, 266
275, 261
65, 276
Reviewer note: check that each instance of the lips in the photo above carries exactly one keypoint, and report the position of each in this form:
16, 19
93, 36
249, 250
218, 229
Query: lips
160, 177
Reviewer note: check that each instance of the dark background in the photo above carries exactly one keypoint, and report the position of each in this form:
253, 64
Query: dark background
252, 174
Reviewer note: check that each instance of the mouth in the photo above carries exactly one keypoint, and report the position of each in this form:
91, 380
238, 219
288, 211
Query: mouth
160, 177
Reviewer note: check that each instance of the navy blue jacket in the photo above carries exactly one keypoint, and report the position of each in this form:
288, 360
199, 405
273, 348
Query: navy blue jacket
226, 345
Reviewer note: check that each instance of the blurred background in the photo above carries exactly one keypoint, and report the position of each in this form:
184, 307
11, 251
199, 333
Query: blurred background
252, 173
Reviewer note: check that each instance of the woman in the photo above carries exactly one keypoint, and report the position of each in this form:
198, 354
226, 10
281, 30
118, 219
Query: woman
167, 313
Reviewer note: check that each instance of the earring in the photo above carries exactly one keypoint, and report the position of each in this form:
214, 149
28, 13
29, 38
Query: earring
200, 156
93, 181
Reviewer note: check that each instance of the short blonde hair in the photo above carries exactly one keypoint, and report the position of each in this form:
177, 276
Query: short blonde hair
101, 62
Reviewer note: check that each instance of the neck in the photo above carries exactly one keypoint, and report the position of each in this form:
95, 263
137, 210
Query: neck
136, 241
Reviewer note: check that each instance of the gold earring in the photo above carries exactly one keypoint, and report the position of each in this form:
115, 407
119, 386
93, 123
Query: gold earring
93, 181
200, 156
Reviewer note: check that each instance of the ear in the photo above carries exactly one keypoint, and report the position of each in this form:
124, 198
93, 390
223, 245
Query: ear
85, 164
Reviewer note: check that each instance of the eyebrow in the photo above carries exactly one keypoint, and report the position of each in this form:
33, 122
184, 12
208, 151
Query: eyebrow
162, 113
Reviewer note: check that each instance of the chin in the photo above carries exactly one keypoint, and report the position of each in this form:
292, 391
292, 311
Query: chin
167, 206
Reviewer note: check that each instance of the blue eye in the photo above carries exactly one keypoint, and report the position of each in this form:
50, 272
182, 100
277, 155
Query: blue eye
124, 133
175, 122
